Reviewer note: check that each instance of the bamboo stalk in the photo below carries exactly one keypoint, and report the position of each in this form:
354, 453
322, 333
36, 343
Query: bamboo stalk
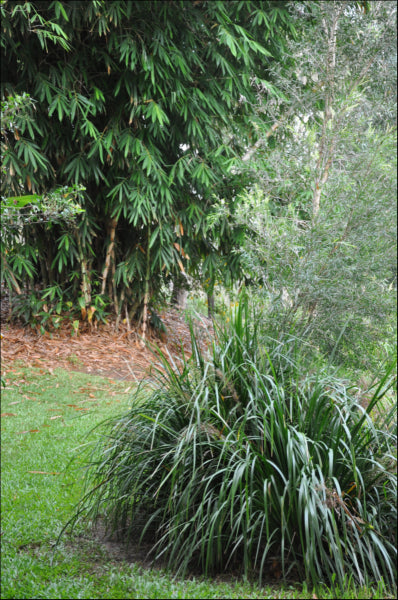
86, 284
114, 290
127, 321
109, 253
146, 295
119, 312
15, 283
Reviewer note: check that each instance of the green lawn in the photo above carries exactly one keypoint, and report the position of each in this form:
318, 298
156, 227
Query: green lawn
46, 417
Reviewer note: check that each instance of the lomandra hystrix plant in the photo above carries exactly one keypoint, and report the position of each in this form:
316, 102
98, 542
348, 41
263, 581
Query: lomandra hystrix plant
240, 457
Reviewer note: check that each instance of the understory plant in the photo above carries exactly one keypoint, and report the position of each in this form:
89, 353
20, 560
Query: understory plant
242, 456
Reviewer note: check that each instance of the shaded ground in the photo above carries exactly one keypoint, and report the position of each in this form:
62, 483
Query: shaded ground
99, 350
137, 552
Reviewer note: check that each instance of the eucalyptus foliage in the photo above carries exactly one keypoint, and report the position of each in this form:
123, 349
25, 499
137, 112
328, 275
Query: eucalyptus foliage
240, 457
322, 218
146, 104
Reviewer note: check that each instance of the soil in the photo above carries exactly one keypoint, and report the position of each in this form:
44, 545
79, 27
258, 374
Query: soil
140, 553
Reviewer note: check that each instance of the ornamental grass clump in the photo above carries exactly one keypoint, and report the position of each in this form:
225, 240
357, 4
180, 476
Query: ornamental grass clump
241, 457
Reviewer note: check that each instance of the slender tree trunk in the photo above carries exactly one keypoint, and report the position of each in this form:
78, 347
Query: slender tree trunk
114, 290
327, 146
127, 321
210, 304
180, 293
119, 311
146, 295
109, 253
15, 283
86, 284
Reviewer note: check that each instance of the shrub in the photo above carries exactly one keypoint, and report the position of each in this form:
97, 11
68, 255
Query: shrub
241, 456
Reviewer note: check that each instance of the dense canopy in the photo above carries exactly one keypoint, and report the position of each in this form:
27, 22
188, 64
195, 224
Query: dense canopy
149, 106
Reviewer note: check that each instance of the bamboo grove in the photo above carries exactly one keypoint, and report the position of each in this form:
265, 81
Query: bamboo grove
140, 111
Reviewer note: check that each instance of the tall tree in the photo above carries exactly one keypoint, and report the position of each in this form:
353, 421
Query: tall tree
325, 214
147, 104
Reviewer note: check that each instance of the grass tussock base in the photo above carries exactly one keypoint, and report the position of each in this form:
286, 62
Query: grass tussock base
242, 458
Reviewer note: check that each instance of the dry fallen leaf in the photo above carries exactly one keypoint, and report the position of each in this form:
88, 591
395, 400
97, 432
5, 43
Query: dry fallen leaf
8, 415
125, 362
29, 431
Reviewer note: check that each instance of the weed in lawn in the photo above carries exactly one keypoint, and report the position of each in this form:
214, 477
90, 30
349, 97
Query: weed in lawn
73, 359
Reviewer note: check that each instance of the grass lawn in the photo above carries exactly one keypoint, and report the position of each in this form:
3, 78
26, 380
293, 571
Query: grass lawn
46, 416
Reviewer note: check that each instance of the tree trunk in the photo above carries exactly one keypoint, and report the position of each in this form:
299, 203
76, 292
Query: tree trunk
326, 146
180, 293
114, 290
109, 253
86, 284
146, 295
15, 284
210, 304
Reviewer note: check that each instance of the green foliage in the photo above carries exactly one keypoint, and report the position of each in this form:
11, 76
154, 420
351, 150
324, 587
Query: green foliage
333, 280
23, 216
35, 504
20, 158
39, 244
45, 311
321, 222
246, 453
55, 205
146, 104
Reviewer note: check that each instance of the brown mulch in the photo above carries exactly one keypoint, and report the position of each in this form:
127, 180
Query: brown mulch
99, 350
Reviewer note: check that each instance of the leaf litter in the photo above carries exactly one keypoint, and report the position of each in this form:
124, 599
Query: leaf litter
99, 351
